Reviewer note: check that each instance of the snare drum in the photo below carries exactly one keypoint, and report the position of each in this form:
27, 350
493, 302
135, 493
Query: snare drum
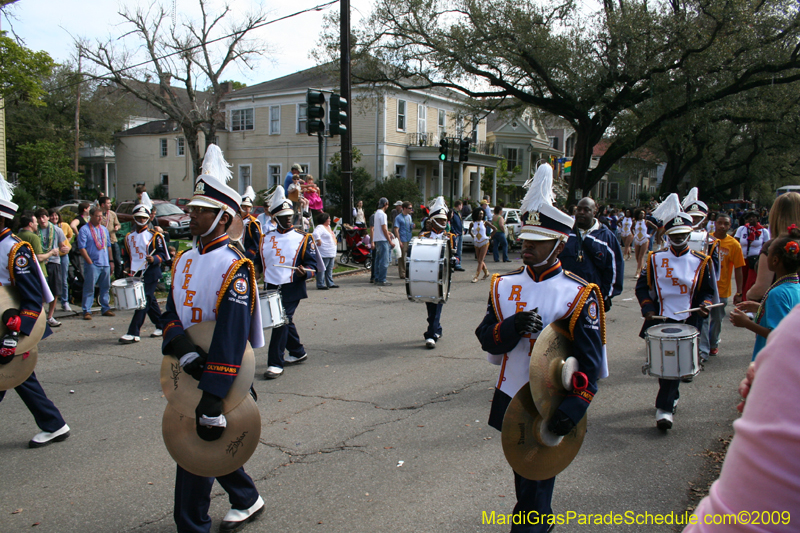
428, 270
671, 351
129, 293
698, 241
272, 313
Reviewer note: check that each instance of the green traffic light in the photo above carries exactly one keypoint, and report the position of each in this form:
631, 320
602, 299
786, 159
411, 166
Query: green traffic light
442, 157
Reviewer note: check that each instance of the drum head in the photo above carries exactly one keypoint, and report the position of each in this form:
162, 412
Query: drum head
10, 299
236, 231
671, 331
215, 458
181, 390
526, 455
445, 270
18, 370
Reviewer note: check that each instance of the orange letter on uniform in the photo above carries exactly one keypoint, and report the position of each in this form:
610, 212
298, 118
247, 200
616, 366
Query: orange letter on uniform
197, 315
186, 266
665, 262
186, 282
189, 296
516, 290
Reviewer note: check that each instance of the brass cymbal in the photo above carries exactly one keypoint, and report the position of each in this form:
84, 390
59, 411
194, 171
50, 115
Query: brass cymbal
522, 446
18, 370
181, 390
10, 298
236, 230
219, 457
549, 352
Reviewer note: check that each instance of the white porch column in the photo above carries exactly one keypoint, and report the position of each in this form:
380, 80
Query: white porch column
460, 190
494, 188
105, 177
440, 185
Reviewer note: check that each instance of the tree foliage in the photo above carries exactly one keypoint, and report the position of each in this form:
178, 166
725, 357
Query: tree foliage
505, 186
46, 170
22, 72
193, 54
624, 71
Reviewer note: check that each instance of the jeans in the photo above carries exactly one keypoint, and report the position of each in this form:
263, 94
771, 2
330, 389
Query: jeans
459, 238
117, 260
382, 254
327, 279
65, 279
709, 333
95, 275
499, 241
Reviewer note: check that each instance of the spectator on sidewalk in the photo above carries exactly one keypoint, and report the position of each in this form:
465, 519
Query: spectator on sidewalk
52, 238
95, 248
457, 228
326, 247
29, 227
382, 240
403, 227
55, 219
499, 240
111, 222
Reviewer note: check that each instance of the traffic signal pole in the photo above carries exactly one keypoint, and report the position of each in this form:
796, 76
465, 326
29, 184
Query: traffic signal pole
346, 136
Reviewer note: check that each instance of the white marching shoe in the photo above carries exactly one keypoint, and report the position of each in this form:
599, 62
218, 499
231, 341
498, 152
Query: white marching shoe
44, 438
273, 372
156, 333
237, 518
663, 419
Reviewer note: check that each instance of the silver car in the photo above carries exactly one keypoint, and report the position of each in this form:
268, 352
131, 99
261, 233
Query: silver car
513, 225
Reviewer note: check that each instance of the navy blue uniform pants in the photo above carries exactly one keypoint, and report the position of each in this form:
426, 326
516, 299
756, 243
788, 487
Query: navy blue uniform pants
193, 497
434, 330
667, 394
534, 499
152, 310
285, 338
44, 411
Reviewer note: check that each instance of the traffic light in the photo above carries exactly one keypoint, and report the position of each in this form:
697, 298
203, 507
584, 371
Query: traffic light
463, 150
443, 145
338, 122
315, 112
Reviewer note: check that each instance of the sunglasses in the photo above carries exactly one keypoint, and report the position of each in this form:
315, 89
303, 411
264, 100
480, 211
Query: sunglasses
201, 210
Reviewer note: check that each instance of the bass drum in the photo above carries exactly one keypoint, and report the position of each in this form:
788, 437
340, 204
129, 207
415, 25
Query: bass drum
428, 270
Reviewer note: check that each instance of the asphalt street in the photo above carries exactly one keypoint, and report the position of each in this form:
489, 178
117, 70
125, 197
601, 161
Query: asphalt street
374, 433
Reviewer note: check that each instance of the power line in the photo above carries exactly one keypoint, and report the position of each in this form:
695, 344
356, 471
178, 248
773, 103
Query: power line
318, 7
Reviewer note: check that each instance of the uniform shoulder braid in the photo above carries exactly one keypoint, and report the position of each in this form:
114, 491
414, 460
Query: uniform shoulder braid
236, 250
240, 288
20, 247
575, 277
595, 310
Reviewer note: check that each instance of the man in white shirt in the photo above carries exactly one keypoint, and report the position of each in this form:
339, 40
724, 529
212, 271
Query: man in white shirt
383, 241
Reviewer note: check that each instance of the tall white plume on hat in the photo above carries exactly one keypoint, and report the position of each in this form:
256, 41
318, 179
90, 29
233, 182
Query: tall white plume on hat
249, 193
690, 198
278, 204
146, 201
7, 207
540, 190
214, 164
668, 209
438, 208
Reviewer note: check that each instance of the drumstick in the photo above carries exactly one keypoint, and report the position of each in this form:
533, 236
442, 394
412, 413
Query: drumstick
294, 268
698, 308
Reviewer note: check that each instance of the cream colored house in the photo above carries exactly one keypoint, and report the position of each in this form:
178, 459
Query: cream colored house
397, 133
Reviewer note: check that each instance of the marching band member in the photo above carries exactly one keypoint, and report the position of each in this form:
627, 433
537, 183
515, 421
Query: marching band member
674, 279
593, 253
232, 301
146, 251
524, 302
286, 247
438, 218
252, 228
27, 277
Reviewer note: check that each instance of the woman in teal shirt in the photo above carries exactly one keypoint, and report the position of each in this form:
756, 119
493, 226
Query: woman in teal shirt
784, 260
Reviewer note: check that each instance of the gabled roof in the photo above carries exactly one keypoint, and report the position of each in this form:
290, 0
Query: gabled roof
151, 128
319, 76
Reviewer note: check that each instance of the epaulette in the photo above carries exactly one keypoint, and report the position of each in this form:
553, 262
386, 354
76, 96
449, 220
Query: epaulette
425, 234
235, 249
301, 232
175, 261
519, 270
700, 255
575, 277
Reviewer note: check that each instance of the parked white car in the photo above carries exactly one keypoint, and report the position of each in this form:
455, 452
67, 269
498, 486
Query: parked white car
513, 225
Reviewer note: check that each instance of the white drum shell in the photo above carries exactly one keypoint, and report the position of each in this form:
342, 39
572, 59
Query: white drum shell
129, 293
272, 312
428, 270
698, 241
672, 351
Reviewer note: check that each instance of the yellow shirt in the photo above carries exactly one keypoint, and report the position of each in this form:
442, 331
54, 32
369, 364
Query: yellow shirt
730, 257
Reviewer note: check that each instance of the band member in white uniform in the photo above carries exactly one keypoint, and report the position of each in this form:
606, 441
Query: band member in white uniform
252, 228
146, 251
524, 302
438, 219
674, 279
20, 269
213, 282
288, 257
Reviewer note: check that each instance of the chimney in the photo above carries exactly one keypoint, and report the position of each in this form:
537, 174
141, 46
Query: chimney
226, 87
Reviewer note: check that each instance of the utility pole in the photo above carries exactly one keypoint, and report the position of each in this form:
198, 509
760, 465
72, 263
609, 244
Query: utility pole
78, 110
346, 136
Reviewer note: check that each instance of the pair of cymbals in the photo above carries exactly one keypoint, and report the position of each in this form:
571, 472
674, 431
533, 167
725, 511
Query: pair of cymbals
10, 299
18, 370
240, 437
531, 450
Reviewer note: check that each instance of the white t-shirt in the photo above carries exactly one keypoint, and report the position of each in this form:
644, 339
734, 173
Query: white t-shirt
328, 247
751, 248
377, 231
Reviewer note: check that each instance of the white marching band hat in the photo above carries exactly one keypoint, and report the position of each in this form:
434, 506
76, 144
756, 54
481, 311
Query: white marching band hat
141, 211
670, 215
7, 208
541, 220
211, 189
692, 205
248, 196
438, 208
278, 204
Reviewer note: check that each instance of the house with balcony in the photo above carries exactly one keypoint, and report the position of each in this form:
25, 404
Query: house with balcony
397, 133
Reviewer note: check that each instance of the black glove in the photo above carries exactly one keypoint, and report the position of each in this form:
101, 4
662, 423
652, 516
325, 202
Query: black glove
195, 368
211, 406
560, 424
528, 322
180, 346
8, 347
606, 304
